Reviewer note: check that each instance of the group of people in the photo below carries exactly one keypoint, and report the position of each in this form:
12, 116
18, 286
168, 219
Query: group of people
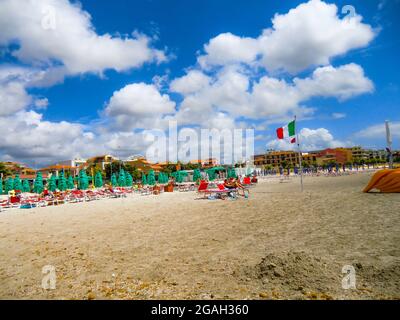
233, 183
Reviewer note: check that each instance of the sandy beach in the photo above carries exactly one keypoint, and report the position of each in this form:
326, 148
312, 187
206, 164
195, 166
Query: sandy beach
278, 244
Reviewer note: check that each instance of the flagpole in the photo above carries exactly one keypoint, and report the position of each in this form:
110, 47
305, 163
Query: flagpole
300, 157
389, 144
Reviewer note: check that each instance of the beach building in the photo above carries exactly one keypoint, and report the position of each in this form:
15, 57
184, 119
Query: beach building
143, 165
338, 155
18, 168
377, 154
207, 163
21, 169
100, 161
358, 153
277, 159
56, 169
75, 163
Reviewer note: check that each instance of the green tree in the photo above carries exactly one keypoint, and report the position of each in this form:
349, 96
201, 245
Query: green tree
190, 166
133, 171
4, 170
284, 164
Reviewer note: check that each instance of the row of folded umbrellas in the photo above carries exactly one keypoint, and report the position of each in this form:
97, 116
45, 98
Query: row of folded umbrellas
82, 182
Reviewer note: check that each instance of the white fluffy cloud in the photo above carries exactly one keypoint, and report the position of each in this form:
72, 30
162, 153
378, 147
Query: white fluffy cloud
343, 82
227, 48
311, 139
138, 105
192, 82
308, 35
57, 30
13, 98
232, 91
27, 137
378, 131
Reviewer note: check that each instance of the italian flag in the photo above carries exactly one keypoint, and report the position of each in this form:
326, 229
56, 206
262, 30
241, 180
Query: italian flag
287, 132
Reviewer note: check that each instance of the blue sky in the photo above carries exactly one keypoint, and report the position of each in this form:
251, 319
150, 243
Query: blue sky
348, 80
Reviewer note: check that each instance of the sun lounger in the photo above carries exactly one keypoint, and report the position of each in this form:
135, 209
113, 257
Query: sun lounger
219, 191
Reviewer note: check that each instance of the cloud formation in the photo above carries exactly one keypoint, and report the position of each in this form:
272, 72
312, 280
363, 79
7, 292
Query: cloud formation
309, 35
311, 140
236, 82
53, 32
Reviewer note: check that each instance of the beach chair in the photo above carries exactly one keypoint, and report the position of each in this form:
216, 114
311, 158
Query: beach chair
15, 202
146, 191
4, 204
202, 189
220, 191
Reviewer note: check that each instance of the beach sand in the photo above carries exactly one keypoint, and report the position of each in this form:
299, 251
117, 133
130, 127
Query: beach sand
278, 244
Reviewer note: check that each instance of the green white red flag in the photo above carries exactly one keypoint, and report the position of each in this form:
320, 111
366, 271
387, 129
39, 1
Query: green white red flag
287, 132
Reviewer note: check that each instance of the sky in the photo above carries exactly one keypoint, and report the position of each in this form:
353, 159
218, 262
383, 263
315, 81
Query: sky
85, 78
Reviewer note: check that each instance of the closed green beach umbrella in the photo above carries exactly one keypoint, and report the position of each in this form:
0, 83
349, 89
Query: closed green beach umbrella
83, 180
113, 180
121, 178
38, 185
144, 179
98, 180
160, 178
128, 180
62, 182
25, 186
52, 183
9, 185
232, 173
1, 185
211, 174
196, 175
17, 183
151, 179
70, 183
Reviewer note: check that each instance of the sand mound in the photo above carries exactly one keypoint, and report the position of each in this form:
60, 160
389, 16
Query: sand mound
298, 275
296, 270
